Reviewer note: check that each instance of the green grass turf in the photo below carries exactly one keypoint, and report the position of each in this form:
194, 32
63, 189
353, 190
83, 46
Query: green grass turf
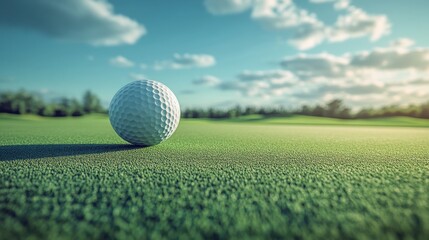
74, 178
310, 120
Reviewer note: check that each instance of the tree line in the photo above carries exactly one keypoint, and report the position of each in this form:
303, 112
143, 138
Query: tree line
333, 109
24, 102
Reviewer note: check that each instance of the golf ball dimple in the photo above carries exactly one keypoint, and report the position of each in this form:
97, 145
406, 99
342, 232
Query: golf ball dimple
144, 112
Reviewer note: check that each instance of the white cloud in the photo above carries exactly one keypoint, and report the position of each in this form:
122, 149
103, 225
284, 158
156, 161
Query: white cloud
307, 29
137, 76
375, 74
342, 4
366, 63
207, 80
357, 23
186, 60
273, 77
353, 88
308, 36
316, 65
419, 82
278, 14
397, 74
88, 21
227, 6
262, 84
338, 4
393, 59
402, 43
121, 61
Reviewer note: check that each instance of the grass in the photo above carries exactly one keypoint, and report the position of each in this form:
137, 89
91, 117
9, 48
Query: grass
74, 178
311, 120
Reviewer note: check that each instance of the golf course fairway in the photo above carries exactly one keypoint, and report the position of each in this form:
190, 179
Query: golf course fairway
75, 178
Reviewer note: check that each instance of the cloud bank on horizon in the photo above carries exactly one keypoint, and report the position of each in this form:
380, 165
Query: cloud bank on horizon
396, 73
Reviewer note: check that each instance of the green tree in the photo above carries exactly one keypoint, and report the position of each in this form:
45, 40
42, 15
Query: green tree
424, 111
6, 99
305, 110
76, 108
318, 111
91, 103
232, 113
344, 113
250, 111
364, 113
48, 110
333, 108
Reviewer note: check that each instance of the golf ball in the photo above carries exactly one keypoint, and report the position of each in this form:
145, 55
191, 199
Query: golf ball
144, 112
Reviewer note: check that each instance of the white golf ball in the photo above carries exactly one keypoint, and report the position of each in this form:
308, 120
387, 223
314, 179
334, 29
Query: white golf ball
144, 112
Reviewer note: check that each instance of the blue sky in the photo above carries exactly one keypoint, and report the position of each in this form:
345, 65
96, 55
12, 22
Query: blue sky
220, 53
